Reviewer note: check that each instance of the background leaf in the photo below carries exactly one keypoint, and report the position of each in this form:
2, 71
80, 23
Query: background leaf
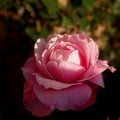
5, 4
52, 7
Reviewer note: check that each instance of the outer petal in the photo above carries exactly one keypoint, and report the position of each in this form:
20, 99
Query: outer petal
39, 50
72, 98
94, 52
102, 66
48, 83
39, 47
90, 101
52, 40
33, 104
96, 70
98, 80
29, 68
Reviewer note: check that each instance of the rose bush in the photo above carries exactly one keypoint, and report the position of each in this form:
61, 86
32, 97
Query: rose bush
64, 74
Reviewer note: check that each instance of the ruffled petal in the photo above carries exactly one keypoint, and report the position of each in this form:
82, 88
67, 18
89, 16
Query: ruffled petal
39, 47
72, 98
39, 52
93, 71
101, 66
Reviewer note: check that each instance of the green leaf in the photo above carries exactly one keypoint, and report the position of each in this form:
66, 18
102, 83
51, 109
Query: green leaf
89, 3
55, 22
116, 8
43, 14
52, 7
84, 24
31, 32
66, 22
44, 32
34, 35
5, 4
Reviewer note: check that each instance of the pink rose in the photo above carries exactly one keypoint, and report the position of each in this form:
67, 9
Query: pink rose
64, 74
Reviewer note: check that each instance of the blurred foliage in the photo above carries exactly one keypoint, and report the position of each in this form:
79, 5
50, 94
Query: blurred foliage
98, 18
5, 4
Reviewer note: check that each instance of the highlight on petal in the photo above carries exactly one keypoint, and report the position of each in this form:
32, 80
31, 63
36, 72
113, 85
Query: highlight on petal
32, 103
39, 50
65, 72
72, 98
74, 57
39, 47
83, 48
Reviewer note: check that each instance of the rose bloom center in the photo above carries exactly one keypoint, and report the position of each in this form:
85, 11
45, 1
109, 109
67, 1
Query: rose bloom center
65, 64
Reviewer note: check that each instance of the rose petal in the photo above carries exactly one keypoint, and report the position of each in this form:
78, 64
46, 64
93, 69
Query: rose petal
32, 104
75, 58
97, 69
39, 51
67, 99
29, 68
93, 52
52, 40
98, 80
39, 47
38, 109
65, 72
90, 101
48, 83
59, 54
101, 66
83, 48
